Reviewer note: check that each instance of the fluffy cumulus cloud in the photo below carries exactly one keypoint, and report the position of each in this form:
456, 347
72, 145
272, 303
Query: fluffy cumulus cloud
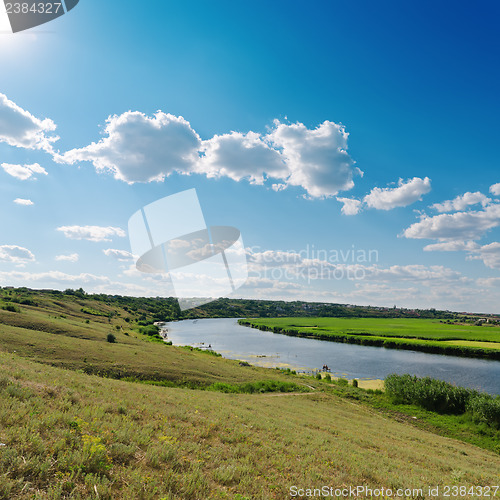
241, 156
15, 254
91, 233
388, 198
49, 277
405, 194
462, 202
317, 160
138, 148
459, 231
460, 226
121, 255
451, 246
351, 206
68, 258
23, 172
20, 128
22, 201
348, 264
489, 254
413, 272
495, 189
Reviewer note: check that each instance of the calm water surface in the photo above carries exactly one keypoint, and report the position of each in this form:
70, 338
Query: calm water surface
352, 361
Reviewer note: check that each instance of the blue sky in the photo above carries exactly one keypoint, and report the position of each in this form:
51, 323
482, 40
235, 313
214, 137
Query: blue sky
292, 94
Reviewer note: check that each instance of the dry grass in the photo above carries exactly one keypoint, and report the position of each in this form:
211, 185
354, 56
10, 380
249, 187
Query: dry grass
79, 436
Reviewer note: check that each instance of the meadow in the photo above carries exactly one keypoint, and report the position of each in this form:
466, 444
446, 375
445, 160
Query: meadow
431, 335
82, 417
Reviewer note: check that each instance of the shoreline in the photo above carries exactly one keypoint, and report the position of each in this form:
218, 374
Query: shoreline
366, 383
430, 347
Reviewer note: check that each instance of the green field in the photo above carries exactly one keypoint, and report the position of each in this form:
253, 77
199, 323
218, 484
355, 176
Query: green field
424, 334
83, 418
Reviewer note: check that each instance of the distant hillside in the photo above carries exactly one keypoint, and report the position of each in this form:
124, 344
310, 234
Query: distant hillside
167, 309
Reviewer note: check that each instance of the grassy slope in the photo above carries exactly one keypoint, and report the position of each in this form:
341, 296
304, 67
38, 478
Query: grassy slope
41, 334
71, 434
431, 334
82, 435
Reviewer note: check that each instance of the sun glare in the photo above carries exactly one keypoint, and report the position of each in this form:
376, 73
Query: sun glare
4, 20
12, 43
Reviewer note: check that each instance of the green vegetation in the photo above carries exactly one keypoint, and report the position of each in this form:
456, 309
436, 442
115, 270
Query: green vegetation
93, 312
165, 422
71, 435
441, 397
56, 332
461, 338
258, 387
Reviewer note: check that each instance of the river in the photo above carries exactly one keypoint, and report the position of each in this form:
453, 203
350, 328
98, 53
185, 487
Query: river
271, 350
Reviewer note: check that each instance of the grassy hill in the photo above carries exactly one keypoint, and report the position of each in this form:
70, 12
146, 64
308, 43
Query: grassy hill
66, 432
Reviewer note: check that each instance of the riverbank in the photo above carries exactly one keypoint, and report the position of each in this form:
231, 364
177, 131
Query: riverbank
350, 361
424, 335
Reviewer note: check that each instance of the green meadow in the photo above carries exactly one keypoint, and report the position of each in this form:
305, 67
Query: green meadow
432, 335
85, 418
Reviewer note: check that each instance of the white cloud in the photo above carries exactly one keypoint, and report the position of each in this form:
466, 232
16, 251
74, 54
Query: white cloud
91, 233
353, 265
52, 277
495, 189
241, 156
138, 148
405, 194
20, 128
488, 282
254, 282
462, 202
317, 159
68, 258
22, 201
489, 254
15, 254
121, 255
412, 272
23, 172
460, 226
451, 246
351, 206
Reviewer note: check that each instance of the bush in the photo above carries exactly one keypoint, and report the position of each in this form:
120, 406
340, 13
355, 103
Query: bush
150, 330
256, 387
441, 397
485, 408
11, 308
431, 394
111, 338
328, 377
355, 383
28, 302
